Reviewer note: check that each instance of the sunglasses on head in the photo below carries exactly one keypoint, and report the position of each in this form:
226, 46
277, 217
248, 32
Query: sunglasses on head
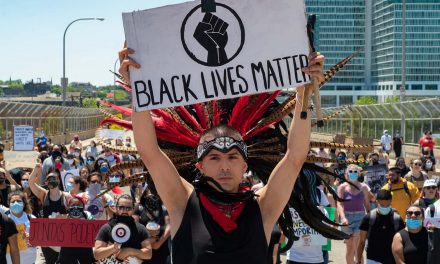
416, 213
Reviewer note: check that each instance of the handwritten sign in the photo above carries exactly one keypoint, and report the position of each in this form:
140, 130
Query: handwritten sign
244, 47
64, 232
25, 159
434, 221
307, 235
23, 138
111, 133
66, 175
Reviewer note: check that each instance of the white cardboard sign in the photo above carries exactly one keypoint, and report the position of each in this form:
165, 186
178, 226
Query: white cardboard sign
25, 159
23, 138
187, 56
112, 133
307, 235
66, 175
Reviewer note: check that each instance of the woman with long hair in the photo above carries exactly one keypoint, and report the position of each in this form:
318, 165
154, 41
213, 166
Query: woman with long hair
429, 194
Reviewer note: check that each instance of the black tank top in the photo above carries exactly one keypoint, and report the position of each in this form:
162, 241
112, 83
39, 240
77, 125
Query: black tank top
415, 246
200, 240
50, 206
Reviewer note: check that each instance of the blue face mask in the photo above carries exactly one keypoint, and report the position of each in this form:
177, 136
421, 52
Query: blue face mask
114, 179
89, 162
353, 176
69, 186
340, 158
103, 168
413, 223
384, 210
17, 207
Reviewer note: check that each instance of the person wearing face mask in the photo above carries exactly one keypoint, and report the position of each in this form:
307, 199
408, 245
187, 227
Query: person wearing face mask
151, 213
110, 157
401, 164
54, 202
386, 141
428, 165
404, 193
78, 157
379, 227
34, 202
410, 245
90, 163
432, 213
20, 212
101, 208
75, 143
84, 172
352, 210
92, 150
70, 255
416, 175
427, 142
138, 245
55, 161
429, 194
75, 185
73, 164
397, 144
6, 188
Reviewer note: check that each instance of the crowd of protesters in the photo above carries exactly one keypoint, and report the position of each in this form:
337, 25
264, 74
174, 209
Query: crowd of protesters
386, 222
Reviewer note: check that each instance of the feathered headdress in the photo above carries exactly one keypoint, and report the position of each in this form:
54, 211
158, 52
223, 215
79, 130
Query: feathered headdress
259, 119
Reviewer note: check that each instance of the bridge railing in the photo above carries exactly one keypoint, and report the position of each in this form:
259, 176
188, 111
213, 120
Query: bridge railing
369, 121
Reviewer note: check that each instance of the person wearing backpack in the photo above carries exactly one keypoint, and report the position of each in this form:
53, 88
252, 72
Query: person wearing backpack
379, 227
404, 193
433, 212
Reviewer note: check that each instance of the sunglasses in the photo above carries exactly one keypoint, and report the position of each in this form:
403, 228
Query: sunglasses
353, 171
24, 180
125, 208
418, 164
94, 181
431, 187
416, 213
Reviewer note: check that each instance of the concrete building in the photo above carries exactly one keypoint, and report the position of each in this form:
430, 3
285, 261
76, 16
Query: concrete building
374, 29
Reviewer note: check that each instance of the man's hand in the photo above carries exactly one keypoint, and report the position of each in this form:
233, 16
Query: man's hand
125, 253
126, 62
315, 68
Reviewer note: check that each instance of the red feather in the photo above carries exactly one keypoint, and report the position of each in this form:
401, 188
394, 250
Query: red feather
126, 87
124, 110
216, 113
243, 119
241, 104
200, 111
262, 108
116, 121
188, 118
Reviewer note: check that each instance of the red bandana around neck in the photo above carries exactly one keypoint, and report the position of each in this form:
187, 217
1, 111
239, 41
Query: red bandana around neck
224, 215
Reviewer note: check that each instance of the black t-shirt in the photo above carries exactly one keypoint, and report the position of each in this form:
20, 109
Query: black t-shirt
415, 246
137, 236
5, 224
4, 195
380, 237
274, 240
397, 142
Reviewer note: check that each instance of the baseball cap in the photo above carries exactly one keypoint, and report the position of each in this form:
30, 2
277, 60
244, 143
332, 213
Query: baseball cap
429, 182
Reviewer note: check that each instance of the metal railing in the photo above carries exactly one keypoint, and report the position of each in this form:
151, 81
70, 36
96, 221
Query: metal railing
53, 120
369, 121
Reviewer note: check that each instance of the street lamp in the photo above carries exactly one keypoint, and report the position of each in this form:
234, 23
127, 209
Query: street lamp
403, 85
64, 79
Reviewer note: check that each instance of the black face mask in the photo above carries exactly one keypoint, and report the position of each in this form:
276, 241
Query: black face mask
2, 181
53, 184
76, 212
55, 154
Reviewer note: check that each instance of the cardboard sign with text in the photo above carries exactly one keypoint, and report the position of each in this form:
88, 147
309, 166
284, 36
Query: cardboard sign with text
23, 138
25, 159
375, 176
64, 232
111, 133
307, 235
187, 56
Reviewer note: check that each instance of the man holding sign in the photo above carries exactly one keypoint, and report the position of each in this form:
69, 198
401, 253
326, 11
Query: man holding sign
218, 221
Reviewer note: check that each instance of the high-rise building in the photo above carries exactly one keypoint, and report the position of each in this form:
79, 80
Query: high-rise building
374, 30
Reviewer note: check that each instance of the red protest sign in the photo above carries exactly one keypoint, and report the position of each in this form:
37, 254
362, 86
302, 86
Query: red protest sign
64, 232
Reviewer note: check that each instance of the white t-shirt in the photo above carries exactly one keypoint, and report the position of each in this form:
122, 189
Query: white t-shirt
23, 219
96, 207
436, 213
386, 141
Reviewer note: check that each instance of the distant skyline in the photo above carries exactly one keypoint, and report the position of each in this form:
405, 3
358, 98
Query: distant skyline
32, 38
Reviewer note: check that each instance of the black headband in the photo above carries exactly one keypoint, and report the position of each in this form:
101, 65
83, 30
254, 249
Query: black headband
223, 144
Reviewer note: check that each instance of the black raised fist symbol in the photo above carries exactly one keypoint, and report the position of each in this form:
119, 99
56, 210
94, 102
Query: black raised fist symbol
211, 34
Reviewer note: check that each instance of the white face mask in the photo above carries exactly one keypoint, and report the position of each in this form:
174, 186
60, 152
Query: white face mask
70, 161
428, 165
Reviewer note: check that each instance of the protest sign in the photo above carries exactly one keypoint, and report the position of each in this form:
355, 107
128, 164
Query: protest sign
111, 133
375, 176
23, 138
64, 232
66, 175
244, 47
25, 159
434, 221
307, 235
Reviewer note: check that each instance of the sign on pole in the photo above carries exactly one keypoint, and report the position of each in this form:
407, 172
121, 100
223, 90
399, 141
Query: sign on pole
187, 56
23, 138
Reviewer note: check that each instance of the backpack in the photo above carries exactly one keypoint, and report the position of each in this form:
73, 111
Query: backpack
431, 210
405, 188
373, 218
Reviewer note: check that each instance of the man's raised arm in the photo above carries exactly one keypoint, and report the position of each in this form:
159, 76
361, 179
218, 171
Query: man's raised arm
173, 190
274, 196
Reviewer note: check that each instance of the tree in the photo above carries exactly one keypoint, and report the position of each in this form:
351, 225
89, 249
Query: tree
89, 103
392, 99
366, 100
56, 89
120, 95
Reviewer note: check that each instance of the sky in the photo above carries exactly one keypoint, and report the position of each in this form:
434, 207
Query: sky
31, 38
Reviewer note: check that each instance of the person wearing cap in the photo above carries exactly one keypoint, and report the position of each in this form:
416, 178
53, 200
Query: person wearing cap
429, 194
432, 212
386, 141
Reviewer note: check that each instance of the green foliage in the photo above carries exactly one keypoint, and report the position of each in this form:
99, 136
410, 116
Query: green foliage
56, 89
120, 95
89, 103
101, 94
366, 100
71, 89
392, 99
